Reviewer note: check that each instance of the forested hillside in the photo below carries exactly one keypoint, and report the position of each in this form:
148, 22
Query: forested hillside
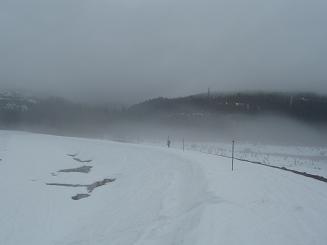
61, 116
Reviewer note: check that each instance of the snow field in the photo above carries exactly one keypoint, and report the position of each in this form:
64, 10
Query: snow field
160, 196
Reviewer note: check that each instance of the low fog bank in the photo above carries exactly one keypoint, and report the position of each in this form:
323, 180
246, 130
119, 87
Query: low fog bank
296, 119
267, 129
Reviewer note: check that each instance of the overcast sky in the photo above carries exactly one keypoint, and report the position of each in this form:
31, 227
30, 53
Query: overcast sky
130, 50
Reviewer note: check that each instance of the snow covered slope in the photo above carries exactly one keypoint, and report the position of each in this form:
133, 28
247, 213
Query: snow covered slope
309, 159
159, 196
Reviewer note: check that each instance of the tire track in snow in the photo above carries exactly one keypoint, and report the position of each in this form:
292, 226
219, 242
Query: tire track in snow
181, 206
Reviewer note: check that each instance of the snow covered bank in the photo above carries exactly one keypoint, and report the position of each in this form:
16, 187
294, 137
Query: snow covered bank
309, 159
160, 196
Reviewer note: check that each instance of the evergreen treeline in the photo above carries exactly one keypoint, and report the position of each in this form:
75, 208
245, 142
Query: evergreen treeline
53, 115
302, 106
61, 116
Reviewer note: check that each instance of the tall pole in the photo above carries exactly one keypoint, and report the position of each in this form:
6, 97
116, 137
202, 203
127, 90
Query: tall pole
233, 155
183, 144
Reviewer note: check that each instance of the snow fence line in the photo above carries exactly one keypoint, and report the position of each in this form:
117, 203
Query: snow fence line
312, 176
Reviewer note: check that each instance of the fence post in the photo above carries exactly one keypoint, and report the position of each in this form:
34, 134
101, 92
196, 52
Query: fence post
233, 155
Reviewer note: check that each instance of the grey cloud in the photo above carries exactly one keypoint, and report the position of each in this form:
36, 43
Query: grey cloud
130, 50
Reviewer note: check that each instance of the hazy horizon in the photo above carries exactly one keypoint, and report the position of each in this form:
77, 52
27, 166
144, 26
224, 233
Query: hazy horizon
128, 51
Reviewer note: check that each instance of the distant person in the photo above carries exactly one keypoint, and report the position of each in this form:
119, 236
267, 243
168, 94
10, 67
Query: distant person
168, 142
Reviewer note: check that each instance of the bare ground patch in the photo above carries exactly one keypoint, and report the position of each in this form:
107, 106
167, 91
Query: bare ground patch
97, 184
89, 187
80, 196
83, 169
82, 161
72, 155
67, 185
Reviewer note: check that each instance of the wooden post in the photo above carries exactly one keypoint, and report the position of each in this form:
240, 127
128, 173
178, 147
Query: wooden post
233, 155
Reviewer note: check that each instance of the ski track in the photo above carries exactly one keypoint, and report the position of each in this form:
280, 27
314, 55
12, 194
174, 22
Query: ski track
180, 206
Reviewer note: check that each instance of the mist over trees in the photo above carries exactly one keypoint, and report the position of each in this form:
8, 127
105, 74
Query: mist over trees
51, 115
211, 114
302, 106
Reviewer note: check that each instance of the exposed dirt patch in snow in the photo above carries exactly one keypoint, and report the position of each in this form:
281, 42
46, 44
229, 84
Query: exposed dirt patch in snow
89, 188
83, 161
72, 155
80, 196
83, 169
97, 184
67, 185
